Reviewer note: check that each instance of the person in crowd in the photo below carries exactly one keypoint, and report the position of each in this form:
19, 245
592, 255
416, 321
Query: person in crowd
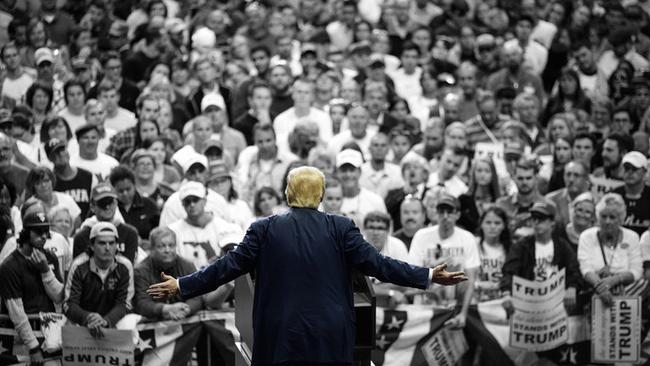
260, 97
484, 190
117, 118
447, 243
25, 135
609, 254
378, 175
411, 213
147, 109
540, 256
551, 173
207, 72
18, 78
88, 157
195, 169
494, 244
8, 199
138, 211
415, 171
39, 97
57, 128
112, 64
518, 205
220, 180
201, 235
164, 173
576, 180
103, 203
73, 181
635, 192
357, 201
143, 165
62, 223
513, 73
32, 281
15, 173
483, 125
583, 148
266, 202
333, 196
40, 184
446, 175
163, 257
582, 216
99, 289
95, 114
74, 93
615, 146
401, 141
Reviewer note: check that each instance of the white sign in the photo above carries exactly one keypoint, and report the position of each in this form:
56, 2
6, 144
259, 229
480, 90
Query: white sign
539, 296
445, 348
80, 348
539, 331
616, 330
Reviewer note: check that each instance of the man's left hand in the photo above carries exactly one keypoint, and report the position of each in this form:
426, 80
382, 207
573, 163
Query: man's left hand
442, 277
164, 290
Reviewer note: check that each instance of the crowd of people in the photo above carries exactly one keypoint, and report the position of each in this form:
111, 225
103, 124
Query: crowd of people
140, 136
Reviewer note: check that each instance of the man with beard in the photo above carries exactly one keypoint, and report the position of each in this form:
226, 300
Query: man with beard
30, 281
518, 205
280, 80
432, 145
377, 174
358, 119
614, 147
357, 201
635, 192
266, 165
576, 181
513, 74
412, 219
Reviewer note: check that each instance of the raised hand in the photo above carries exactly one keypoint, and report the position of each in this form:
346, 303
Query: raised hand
442, 277
164, 290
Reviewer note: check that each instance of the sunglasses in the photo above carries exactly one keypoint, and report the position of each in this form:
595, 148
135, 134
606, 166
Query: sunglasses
40, 230
190, 200
105, 203
539, 217
445, 210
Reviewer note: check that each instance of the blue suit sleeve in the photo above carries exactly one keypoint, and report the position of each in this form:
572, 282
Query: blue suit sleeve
363, 256
235, 263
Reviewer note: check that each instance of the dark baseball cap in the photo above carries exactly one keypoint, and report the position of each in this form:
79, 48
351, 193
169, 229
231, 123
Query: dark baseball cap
53, 145
35, 220
449, 201
543, 208
103, 190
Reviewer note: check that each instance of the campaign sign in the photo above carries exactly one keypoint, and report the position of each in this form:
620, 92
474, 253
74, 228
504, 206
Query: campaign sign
539, 331
538, 296
616, 330
445, 348
80, 348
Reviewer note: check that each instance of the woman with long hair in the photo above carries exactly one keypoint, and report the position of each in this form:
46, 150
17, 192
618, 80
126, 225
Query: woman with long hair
483, 190
493, 239
569, 96
40, 184
39, 97
164, 173
58, 128
266, 202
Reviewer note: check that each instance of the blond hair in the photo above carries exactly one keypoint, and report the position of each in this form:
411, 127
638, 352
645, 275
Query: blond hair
305, 187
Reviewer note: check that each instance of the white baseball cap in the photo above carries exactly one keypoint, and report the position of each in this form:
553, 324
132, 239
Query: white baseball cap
349, 156
636, 159
194, 189
213, 99
103, 228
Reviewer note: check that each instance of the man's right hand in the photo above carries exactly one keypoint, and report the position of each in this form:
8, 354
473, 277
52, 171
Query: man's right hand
36, 358
164, 290
442, 277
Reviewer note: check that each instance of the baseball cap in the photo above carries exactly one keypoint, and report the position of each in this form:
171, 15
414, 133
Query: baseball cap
43, 54
190, 189
513, 148
53, 145
35, 220
448, 200
212, 143
103, 228
377, 59
103, 190
308, 48
212, 99
218, 169
82, 130
544, 208
349, 156
485, 40
194, 159
636, 159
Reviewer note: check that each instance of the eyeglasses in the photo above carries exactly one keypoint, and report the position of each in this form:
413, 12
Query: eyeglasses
441, 210
539, 217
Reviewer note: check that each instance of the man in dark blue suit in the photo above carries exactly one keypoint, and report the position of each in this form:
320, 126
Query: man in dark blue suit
303, 311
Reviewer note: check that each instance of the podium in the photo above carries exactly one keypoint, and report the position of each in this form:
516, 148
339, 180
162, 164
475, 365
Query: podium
365, 303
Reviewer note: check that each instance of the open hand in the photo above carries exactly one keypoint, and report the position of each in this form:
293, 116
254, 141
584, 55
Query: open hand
442, 277
164, 290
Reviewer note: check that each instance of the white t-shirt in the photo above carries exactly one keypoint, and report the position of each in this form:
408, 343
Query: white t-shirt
101, 166
358, 207
395, 249
285, 122
201, 245
123, 119
65, 200
544, 253
16, 88
407, 86
335, 144
644, 243
74, 121
626, 256
492, 259
460, 249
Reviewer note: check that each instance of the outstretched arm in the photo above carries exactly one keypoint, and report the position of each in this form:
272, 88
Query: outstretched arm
235, 263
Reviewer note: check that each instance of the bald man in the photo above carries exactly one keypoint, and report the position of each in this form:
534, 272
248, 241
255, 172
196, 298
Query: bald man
303, 312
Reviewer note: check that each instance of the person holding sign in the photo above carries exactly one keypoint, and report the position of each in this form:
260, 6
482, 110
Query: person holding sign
609, 254
541, 256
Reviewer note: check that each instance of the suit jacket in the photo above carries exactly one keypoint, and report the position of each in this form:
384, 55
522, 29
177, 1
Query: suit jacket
303, 308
